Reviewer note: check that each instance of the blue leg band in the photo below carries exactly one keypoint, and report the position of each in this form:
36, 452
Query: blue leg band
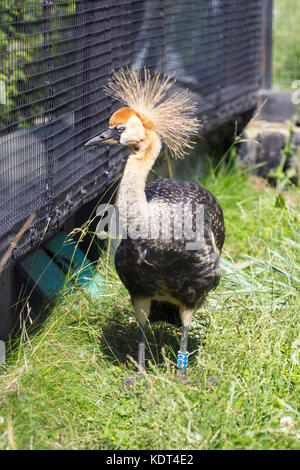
182, 360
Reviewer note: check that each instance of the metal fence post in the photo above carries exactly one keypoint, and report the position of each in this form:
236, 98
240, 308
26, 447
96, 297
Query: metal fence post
48, 105
266, 44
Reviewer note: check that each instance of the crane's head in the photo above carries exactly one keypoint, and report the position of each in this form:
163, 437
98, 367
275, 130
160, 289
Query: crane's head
147, 108
126, 127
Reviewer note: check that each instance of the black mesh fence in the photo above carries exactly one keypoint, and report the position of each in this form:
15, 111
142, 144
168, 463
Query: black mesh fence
56, 56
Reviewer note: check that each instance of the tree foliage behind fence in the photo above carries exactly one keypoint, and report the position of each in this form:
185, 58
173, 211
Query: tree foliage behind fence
286, 44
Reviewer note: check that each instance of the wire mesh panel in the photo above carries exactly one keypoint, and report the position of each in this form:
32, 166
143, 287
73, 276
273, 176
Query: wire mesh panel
286, 44
56, 56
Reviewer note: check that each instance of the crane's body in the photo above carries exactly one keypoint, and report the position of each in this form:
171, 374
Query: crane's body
167, 273
165, 269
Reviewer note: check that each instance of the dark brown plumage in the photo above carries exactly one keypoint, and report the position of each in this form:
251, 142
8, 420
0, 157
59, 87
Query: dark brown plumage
149, 267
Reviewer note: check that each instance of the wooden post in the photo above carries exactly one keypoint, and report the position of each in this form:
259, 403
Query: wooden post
15, 241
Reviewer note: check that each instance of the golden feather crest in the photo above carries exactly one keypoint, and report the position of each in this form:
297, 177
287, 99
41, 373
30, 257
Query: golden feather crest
173, 117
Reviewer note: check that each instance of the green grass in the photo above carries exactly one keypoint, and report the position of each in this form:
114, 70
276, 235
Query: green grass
62, 385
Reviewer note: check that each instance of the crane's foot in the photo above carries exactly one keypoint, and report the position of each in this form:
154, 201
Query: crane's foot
128, 384
211, 383
181, 377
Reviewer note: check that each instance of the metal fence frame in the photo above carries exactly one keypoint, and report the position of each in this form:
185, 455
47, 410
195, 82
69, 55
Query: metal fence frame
266, 44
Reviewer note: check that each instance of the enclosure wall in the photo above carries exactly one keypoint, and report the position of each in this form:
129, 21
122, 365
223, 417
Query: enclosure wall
55, 58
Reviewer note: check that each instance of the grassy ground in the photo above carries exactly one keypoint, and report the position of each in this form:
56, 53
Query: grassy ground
62, 386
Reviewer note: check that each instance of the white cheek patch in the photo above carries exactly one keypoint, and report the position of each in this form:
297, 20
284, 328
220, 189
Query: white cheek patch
134, 132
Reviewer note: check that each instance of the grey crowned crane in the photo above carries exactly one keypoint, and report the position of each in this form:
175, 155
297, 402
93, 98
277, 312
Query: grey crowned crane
170, 257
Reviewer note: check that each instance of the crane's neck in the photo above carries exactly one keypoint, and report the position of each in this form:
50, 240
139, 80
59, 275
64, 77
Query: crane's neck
132, 188
138, 165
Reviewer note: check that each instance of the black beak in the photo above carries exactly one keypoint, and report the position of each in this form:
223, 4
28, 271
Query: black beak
110, 136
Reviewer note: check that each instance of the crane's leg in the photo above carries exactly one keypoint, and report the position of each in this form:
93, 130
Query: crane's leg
141, 307
186, 314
